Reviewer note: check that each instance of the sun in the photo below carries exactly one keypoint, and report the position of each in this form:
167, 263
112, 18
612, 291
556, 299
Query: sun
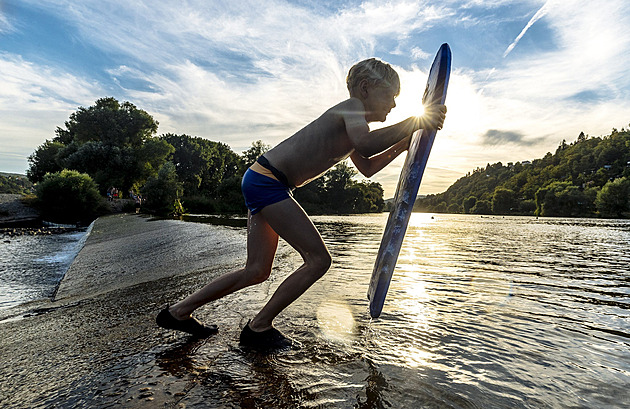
409, 102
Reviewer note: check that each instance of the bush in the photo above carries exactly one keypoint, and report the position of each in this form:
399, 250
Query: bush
200, 204
69, 197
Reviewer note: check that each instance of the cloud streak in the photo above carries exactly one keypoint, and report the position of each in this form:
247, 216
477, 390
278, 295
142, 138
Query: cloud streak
539, 14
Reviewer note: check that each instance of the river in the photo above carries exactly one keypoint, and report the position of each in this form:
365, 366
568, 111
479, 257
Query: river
482, 312
31, 265
488, 311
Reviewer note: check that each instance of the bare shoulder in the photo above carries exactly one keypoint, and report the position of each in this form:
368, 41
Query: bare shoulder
348, 114
351, 106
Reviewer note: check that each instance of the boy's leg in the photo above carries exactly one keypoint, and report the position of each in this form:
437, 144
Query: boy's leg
262, 242
290, 221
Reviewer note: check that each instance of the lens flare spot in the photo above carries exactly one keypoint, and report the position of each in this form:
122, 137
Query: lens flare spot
336, 321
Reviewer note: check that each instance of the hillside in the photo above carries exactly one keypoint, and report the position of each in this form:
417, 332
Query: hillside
14, 183
589, 177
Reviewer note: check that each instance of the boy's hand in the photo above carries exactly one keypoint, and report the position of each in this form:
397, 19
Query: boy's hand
433, 117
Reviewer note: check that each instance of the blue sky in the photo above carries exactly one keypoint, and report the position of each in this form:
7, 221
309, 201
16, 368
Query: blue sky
526, 74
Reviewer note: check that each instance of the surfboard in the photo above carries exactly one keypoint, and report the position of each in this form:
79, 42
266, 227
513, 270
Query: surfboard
408, 185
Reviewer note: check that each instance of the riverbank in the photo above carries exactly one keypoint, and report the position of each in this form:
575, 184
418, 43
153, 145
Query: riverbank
13, 211
100, 327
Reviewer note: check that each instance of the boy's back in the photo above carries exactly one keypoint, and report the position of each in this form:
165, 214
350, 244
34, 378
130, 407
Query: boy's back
318, 146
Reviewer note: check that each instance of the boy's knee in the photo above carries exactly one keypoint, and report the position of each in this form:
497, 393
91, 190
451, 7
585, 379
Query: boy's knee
322, 262
257, 275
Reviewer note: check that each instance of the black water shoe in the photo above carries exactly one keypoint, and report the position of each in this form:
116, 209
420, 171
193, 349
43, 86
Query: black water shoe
267, 340
165, 320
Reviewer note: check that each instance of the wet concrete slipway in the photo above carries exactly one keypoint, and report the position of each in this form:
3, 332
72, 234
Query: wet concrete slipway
97, 345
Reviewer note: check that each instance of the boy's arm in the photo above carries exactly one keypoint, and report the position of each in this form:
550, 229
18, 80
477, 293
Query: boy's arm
368, 143
370, 166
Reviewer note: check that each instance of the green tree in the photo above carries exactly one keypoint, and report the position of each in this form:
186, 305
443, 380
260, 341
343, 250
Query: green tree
336, 181
44, 160
469, 203
110, 122
454, 208
202, 165
503, 201
482, 207
561, 199
69, 197
312, 196
614, 198
110, 141
163, 192
15, 184
586, 165
257, 149
363, 197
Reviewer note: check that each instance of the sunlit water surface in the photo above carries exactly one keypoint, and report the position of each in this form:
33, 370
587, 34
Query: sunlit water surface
481, 313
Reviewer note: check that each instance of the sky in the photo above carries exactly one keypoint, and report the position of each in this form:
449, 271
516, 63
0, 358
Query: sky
525, 74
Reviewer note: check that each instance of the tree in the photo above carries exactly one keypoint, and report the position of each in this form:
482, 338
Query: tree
110, 141
202, 165
15, 184
257, 149
482, 207
44, 160
584, 167
163, 192
502, 201
454, 208
336, 181
109, 122
69, 197
469, 203
560, 199
614, 198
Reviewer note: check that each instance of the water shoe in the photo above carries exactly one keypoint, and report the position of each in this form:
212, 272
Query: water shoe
267, 340
165, 320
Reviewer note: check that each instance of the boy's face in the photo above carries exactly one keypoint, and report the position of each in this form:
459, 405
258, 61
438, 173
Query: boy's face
379, 101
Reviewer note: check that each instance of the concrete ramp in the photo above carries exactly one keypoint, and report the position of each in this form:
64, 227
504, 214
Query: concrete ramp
128, 249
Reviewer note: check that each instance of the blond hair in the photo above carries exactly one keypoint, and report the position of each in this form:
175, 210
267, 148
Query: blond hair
376, 72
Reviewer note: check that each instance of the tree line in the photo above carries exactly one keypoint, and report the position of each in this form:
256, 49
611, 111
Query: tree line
589, 177
115, 144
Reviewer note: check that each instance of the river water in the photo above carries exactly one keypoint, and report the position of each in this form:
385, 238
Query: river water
31, 265
482, 312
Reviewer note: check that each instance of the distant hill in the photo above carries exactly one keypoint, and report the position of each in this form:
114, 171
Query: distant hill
589, 177
14, 183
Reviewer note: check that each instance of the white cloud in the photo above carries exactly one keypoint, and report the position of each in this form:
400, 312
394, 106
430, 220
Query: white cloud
293, 61
242, 71
33, 101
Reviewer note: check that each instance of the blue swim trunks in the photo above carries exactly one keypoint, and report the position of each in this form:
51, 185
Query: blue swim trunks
260, 191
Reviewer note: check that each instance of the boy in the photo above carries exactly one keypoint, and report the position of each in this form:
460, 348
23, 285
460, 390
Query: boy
340, 132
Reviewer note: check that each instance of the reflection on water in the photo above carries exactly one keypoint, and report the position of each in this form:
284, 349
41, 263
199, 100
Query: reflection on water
481, 313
